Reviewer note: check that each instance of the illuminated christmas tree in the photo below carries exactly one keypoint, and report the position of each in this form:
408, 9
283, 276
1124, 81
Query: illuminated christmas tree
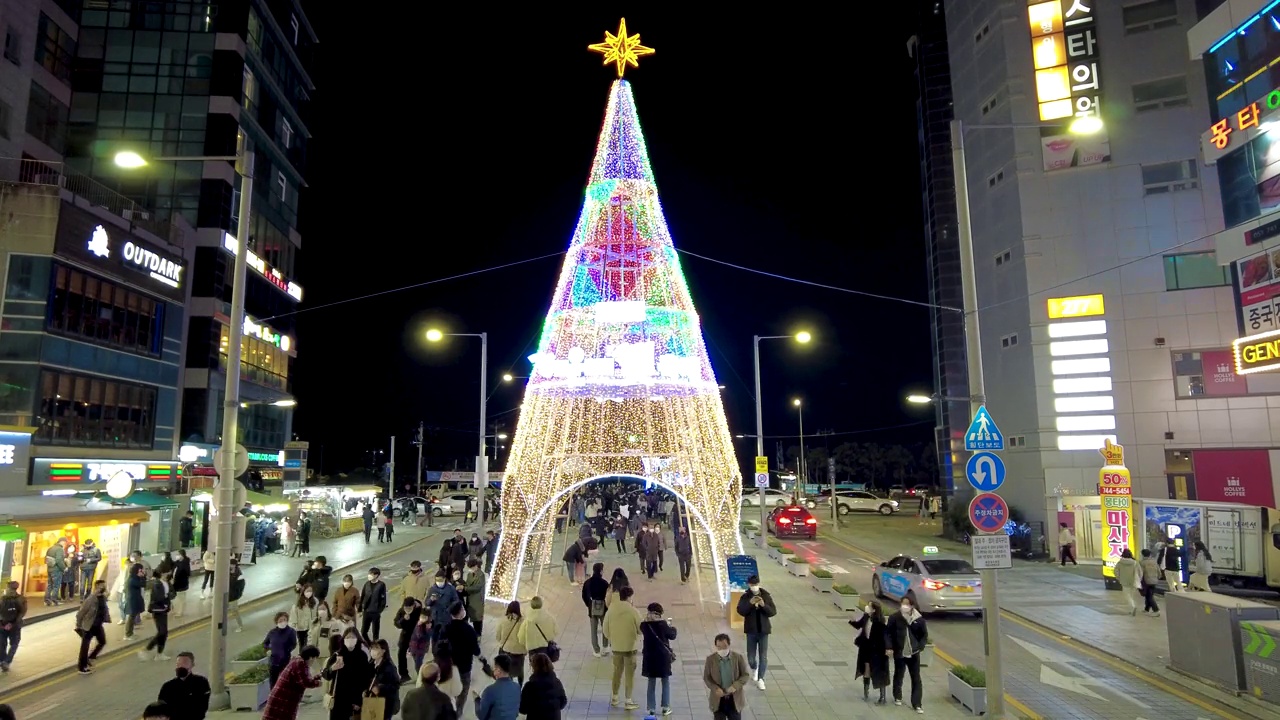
621, 384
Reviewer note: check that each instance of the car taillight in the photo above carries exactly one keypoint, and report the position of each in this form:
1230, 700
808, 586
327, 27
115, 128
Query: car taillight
784, 521
934, 585
810, 521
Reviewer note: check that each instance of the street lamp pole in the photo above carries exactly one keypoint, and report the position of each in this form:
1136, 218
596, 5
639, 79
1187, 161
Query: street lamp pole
482, 457
803, 463
760, 435
224, 491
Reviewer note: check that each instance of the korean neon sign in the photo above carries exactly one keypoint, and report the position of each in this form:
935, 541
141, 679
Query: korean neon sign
272, 275
1221, 132
1064, 52
1115, 486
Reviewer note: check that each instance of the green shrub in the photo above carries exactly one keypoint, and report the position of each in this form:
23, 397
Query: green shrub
797, 560
843, 590
970, 675
253, 654
774, 543
252, 676
786, 551
820, 573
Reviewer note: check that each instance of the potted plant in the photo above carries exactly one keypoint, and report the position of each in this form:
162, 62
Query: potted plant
775, 549
845, 597
255, 655
968, 685
821, 580
784, 554
749, 530
249, 688
797, 566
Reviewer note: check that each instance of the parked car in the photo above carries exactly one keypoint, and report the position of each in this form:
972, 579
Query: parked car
921, 489
751, 498
848, 501
437, 509
936, 583
897, 491
793, 521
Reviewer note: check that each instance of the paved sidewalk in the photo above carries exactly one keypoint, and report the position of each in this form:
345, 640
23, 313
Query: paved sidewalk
50, 647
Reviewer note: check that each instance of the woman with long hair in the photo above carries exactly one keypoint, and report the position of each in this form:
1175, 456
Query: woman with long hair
509, 642
348, 672
873, 662
386, 678
302, 614
616, 583
181, 582
543, 697
1201, 567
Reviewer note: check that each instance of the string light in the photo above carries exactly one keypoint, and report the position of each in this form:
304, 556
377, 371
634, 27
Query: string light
621, 49
621, 384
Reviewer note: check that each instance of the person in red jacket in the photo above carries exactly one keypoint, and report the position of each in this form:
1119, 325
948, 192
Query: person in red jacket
286, 695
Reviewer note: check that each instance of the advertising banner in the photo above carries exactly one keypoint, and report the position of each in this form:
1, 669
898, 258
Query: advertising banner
1220, 378
1236, 476
1258, 291
1115, 486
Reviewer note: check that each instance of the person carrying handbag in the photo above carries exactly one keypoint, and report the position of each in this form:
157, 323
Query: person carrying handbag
348, 673
382, 700
538, 634
512, 645
656, 657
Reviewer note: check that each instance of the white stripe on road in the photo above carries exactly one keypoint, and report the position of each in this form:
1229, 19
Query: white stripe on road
48, 703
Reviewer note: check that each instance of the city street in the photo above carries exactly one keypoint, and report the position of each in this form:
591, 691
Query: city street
1070, 648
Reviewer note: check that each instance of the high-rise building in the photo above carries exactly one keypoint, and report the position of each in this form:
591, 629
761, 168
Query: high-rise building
928, 49
1104, 311
190, 80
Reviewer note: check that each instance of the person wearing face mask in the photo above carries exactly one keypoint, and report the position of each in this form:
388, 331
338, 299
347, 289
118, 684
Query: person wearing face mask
416, 584
458, 552
463, 648
187, 694
905, 636
373, 600
725, 673
756, 608
473, 595
420, 639
316, 574
348, 672
440, 597
406, 620
236, 592
279, 643
161, 595
476, 546
302, 614
386, 680
427, 701
94, 614
286, 695
490, 550
684, 553
873, 664
346, 601
327, 628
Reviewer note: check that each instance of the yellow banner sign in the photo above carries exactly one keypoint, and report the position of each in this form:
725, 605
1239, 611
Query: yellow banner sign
1076, 307
1115, 487
1257, 353
762, 464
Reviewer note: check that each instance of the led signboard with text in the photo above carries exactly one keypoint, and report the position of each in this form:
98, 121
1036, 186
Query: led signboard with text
65, 471
137, 257
1081, 367
272, 275
1064, 51
1257, 353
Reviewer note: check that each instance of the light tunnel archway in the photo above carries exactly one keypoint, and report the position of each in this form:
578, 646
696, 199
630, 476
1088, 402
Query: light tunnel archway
541, 516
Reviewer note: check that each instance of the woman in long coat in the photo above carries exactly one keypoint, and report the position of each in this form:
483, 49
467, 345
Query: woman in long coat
134, 602
873, 663
348, 672
286, 694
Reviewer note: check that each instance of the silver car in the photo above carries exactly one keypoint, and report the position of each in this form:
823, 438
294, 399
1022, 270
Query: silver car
848, 501
937, 583
772, 498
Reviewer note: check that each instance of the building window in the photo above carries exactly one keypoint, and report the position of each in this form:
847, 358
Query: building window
293, 24
1009, 341
13, 46
90, 411
982, 33
991, 103
6, 116
85, 306
1188, 374
282, 185
995, 178
1017, 441
260, 361
1148, 16
47, 119
1004, 258
286, 134
1194, 270
55, 49
1170, 177
1160, 94
250, 89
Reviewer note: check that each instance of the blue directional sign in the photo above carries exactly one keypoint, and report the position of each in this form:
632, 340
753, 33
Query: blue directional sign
988, 513
983, 433
985, 471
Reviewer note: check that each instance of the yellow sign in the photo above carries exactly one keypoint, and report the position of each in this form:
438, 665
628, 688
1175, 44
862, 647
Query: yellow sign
1045, 17
621, 49
1257, 353
762, 464
1076, 307
1115, 487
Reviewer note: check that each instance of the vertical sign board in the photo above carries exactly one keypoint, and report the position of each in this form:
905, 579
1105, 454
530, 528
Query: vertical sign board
738, 569
1064, 51
1080, 362
1115, 486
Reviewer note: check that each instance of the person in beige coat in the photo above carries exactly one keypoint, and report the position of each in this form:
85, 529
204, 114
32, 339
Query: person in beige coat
621, 629
538, 629
511, 638
725, 674
415, 584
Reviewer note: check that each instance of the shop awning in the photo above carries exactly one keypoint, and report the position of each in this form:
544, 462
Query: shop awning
41, 513
9, 533
263, 499
149, 499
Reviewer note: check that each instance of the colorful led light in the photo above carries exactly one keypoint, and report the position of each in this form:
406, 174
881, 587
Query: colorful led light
621, 384
621, 49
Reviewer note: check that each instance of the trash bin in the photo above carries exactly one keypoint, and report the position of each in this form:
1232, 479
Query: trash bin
1205, 635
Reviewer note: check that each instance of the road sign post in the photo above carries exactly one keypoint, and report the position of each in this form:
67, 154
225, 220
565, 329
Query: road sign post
988, 512
831, 479
762, 468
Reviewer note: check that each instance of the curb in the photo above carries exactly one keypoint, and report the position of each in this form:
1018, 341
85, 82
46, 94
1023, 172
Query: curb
118, 648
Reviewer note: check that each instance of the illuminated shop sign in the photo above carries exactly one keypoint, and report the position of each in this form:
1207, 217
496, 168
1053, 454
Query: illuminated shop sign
1064, 51
633, 362
1257, 353
203, 453
15, 448
275, 458
273, 276
1115, 488
253, 328
62, 471
137, 257
1081, 367
1223, 133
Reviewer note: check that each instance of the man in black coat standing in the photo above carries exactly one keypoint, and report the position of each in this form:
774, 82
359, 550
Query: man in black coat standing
186, 530
187, 694
756, 608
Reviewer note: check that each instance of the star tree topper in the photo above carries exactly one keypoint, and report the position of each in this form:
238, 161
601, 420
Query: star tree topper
621, 49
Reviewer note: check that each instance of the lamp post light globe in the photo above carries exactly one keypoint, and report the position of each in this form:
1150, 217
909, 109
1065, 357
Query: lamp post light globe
796, 402
803, 336
1086, 125
919, 399
434, 335
129, 159
507, 377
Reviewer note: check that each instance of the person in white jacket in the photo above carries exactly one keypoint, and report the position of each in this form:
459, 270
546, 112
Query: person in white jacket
1129, 575
1201, 568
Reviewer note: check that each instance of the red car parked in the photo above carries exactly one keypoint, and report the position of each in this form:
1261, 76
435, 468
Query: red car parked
793, 521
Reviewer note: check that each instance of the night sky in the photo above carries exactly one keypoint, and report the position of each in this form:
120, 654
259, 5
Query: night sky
466, 145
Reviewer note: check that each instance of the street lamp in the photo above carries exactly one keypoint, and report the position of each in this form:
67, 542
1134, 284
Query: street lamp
277, 403
919, 399
1085, 125
802, 466
224, 490
801, 337
482, 457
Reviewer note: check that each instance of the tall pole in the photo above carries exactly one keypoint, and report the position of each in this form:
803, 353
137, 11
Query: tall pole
977, 398
421, 441
391, 471
224, 491
802, 465
760, 436
482, 457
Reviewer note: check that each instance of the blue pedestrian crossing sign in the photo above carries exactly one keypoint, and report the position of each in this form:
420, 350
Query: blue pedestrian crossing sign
983, 433
985, 471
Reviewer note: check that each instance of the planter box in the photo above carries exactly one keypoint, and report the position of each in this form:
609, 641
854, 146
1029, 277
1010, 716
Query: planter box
797, 569
845, 602
751, 534
822, 584
974, 699
774, 554
249, 697
239, 666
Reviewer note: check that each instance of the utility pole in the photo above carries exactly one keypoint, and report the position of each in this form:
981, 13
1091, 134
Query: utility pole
391, 471
420, 443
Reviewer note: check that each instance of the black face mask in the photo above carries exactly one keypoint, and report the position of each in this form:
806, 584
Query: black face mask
416, 571
182, 673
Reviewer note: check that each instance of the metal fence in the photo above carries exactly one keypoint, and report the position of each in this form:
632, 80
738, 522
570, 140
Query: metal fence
39, 172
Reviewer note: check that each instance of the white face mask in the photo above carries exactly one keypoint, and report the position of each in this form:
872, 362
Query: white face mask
350, 643
439, 583
346, 583
282, 625
754, 588
308, 593
372, 578
324, 614
906, 609
723, 653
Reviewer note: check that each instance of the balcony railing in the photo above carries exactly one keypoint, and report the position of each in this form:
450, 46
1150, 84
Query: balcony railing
55, 174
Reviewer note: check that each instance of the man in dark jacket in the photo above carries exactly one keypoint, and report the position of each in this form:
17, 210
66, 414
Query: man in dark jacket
187, 694
458, 553
441, 597
463, 647
368, 522
13, 608
316, 574
576, 553
684, 553
490, 549
373, 600
187, 530
594, 591
756, 607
